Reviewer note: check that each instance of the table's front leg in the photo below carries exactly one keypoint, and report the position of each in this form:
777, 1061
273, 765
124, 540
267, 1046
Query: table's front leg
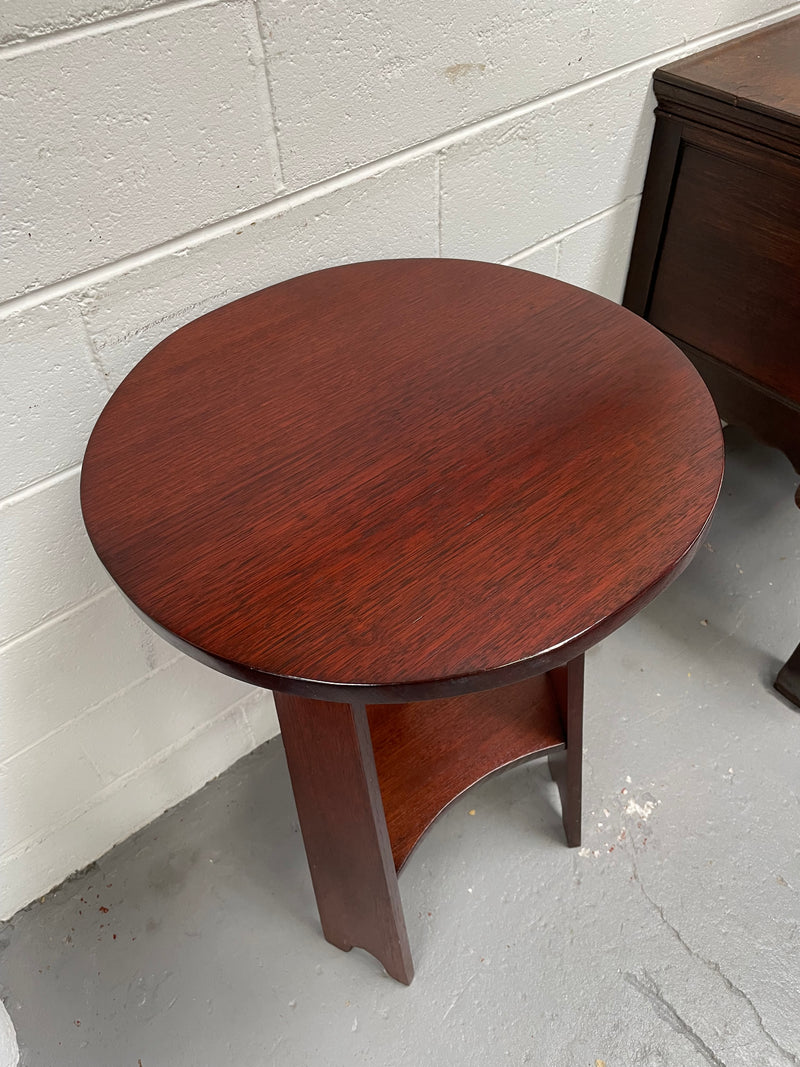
332, 768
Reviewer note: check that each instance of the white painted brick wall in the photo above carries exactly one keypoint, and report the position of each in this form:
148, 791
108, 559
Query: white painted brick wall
519, 182
117, 141
160, 157
43, 534
52, 392
21, 20
390, 214
354, 82
596, 255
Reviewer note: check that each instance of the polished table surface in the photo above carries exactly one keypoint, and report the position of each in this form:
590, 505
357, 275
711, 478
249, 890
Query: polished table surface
406, 495
401, 479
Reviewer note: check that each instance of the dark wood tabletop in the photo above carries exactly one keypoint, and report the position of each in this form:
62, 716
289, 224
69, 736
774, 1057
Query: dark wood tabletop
402, 479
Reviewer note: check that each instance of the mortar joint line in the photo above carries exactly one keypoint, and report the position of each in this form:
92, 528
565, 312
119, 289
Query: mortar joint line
54, 620
78, 810
21, 495
39, 42
557, 238
95, 358
97, 706
281, 204
275, 130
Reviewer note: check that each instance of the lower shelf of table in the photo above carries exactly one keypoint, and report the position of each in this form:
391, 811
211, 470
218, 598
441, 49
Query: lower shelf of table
428, 753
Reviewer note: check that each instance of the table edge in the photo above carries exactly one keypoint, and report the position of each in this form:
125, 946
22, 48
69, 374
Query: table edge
437, 688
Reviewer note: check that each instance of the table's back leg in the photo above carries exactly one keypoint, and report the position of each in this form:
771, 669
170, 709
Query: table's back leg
335, 784
566, 766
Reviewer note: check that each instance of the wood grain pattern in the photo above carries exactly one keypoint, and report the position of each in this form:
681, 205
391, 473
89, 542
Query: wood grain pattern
402, 480
428, 753
369, 781
707, 254
338, 800
716, 256
757, 72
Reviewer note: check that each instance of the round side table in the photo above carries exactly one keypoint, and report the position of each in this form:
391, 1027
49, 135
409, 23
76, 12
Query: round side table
406, 495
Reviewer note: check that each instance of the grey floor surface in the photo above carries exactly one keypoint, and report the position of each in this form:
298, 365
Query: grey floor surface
670, 938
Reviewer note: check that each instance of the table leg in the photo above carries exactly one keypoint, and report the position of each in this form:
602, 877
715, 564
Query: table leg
566, 766
338, 798
788, 681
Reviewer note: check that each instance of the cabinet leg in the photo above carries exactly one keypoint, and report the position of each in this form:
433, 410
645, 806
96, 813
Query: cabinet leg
788, 681
338, 798
566, 767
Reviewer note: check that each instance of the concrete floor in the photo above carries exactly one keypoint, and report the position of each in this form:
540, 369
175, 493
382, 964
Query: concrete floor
670, 938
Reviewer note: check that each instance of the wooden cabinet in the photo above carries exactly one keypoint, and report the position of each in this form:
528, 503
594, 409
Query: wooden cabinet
716, 256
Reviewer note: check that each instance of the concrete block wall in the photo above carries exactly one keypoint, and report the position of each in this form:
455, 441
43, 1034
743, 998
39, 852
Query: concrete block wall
159, 159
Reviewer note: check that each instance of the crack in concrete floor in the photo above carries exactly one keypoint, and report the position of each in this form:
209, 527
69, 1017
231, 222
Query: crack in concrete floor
713, 965
649, 988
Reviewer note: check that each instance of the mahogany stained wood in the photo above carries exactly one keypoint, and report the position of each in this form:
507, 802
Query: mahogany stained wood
716, 256
338, 800
402, 480
369, 781
428, 753
756, 73
566, 766
743, 331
